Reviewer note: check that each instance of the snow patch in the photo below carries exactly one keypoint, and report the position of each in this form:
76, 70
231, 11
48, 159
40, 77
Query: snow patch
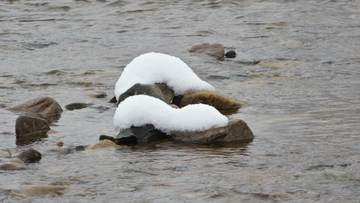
140, 110
153, 68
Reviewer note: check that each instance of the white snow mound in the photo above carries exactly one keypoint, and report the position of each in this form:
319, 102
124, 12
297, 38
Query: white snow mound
153, 68
140, 110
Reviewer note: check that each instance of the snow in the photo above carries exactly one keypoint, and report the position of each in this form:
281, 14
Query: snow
153, 68
140, 110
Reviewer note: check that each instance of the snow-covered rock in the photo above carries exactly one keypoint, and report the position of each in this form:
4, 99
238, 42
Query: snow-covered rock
151, 68
140, 110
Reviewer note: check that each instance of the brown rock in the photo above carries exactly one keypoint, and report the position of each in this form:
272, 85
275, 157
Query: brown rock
77, 105
100, 95
39, 190
45, 106
215, 50
102, 144
13, 164
166, 91
214, 99
107, 137
28, 124
235, 131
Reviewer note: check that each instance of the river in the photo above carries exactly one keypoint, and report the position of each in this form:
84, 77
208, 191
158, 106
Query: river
297, 67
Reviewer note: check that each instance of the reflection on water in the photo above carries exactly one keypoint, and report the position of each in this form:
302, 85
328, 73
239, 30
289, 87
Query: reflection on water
296, 67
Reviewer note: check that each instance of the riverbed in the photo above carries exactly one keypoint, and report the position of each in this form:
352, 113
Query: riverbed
297, 67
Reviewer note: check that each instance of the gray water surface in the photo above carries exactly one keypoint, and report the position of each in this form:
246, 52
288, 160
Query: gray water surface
297, 67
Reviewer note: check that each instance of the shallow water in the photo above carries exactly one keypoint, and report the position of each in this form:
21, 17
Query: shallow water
297, 67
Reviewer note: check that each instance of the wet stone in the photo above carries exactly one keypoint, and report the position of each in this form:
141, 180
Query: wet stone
39, 190
101, 144
214, 99
142, 89
45, 106
27, 124
13, 165
75, 106
235, 131
214, 50
30, 156
144, 134
230, 54
100, 95
106, 137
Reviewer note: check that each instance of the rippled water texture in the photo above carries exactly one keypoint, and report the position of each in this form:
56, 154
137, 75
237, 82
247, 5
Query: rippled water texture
297, 67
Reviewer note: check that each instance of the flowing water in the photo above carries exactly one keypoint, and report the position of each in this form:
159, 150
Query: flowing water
297, 67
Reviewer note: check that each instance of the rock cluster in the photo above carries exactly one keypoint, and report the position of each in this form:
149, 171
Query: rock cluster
235, 130
37, 115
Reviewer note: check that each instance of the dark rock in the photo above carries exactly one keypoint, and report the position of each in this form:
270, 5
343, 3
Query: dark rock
30, 156
236, 131
214, 99
215, 50
30, 129
45, 106
151, 90
166, 91
230, 54
113, 100
126, 137
106, 137
100, 95
74, 106
80, 148
143, 134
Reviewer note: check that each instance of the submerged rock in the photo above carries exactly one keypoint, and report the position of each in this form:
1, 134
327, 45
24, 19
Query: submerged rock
46, 106
144, 134
101, 144
215, 50
78, 105
143, 89
30, 129
230, 54
13, 165
27, 124
235, 131
30, 156
38, 190
214, 99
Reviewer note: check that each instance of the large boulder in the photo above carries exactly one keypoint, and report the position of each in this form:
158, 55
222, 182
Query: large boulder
215, 50
235, 131
45, 106
144, 89
214, 99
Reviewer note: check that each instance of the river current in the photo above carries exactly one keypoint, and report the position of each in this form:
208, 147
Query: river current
297, 67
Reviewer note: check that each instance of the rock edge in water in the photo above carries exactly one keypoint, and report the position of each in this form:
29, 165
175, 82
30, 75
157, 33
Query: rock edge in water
234, 131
